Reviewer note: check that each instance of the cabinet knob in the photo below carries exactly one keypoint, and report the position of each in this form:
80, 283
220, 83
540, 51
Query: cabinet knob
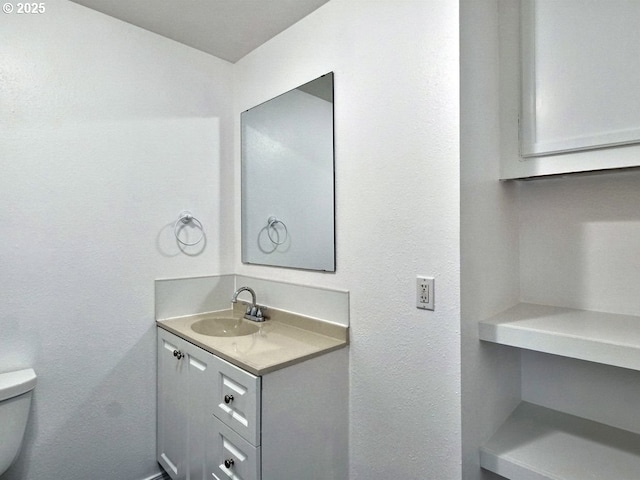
229, 463
228, 398
178, 354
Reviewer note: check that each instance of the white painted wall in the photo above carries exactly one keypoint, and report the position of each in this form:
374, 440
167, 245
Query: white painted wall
581, 242
397, 199
580, 245
106, 133
489, 236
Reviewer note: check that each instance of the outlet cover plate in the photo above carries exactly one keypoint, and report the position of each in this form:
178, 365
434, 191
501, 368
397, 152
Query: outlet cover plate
425, 292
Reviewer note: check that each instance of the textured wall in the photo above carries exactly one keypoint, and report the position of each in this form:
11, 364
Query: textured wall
580, 245
489, 237
397, 184
106, 133
580, 240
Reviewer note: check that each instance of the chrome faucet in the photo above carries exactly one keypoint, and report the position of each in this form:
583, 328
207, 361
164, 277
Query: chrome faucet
254, 311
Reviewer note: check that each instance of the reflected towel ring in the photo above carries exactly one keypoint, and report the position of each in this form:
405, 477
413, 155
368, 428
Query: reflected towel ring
185, 218
271, 225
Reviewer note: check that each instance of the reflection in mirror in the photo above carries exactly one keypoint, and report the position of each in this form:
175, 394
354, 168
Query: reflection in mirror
288, 179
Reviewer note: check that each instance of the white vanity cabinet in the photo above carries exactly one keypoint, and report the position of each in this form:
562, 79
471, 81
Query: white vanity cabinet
218, 421
185, 375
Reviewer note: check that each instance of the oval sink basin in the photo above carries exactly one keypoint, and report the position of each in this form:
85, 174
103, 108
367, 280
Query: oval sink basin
224, 327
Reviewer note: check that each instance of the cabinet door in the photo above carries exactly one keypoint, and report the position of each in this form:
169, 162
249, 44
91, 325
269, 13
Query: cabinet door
202, 369
580, 110
172, 413
237, 400
232, 456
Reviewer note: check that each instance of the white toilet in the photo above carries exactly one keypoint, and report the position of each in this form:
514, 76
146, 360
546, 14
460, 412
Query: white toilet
16, 389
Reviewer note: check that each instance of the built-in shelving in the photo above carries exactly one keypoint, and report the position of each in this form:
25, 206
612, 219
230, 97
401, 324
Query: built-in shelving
612, 339
536, 443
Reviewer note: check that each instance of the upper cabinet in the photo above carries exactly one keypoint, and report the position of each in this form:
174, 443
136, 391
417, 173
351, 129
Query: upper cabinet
578, 85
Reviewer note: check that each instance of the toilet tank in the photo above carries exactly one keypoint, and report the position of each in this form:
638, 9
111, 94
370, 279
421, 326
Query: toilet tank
15, 401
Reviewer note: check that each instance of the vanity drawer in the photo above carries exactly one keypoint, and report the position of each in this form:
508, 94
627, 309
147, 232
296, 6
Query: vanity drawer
232, 456
237, 400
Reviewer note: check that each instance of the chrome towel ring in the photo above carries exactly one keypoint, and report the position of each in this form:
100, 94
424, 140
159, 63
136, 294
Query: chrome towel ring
186, 218
271, 226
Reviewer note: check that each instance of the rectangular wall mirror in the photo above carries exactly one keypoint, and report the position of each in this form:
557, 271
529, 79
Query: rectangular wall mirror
288, 202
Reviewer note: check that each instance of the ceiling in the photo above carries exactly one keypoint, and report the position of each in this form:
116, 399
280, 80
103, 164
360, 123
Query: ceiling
228, 29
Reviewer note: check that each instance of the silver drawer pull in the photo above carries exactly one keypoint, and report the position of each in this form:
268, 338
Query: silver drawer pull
229, 463
228, 399
178, 354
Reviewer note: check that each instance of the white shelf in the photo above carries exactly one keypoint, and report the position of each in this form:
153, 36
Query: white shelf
536, 443
606, 338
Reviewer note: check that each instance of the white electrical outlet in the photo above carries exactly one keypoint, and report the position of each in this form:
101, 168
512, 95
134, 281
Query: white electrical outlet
424, 292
